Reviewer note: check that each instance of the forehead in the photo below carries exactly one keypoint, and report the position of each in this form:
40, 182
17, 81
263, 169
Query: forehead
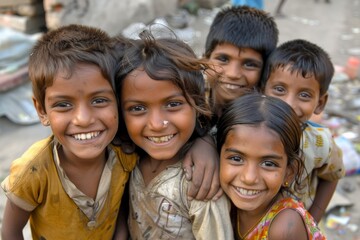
140, 85
294, 79
254, 140
232, 49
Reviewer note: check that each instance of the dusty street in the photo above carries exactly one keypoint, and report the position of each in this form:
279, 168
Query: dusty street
334, 26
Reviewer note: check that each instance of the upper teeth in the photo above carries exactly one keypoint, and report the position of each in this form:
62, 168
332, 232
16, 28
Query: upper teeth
161, 139
86, 136
231, 86
247, 192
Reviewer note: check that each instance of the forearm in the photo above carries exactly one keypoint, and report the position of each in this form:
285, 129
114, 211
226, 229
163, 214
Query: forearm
14, 221
324, 193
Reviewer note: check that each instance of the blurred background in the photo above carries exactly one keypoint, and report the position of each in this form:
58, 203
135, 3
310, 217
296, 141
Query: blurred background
334, 25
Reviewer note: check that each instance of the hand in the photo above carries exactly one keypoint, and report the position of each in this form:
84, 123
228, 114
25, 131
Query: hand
201, 166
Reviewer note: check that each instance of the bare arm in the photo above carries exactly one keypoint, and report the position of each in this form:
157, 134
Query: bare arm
14, 221
287, 224
201, 165
324, 193
121, 230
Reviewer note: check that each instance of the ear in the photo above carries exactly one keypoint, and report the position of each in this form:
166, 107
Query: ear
289, 175
41, 113
321, 104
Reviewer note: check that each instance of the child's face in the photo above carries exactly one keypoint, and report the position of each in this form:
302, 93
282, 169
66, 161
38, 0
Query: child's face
82, 112
253, 167
239, 69
302, 94
158, 118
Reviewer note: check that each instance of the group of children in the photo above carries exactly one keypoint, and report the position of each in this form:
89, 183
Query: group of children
90, 88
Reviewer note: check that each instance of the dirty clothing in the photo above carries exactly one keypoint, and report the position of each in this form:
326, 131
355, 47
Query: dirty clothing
323, 159
161, 209
59, 210
262, 229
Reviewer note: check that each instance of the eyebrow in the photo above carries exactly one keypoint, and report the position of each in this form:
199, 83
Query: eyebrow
179, 94
60, 95
272, 156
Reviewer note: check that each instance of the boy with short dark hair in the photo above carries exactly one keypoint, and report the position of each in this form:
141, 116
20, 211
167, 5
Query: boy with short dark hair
237, 45
70, 184
300, 72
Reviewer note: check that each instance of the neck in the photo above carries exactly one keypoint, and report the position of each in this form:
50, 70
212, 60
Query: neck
150, 167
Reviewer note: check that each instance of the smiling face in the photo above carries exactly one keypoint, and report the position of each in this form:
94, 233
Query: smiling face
239, 69
158, 118
253, 166
302, 94
82, 112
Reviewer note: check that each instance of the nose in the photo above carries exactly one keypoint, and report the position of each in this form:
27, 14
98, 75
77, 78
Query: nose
291, 100
250, 173
156, 121
83, 115
233, 71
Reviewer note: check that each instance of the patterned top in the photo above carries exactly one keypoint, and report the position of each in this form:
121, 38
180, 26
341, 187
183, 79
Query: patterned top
323, 159
161, 210
261, 231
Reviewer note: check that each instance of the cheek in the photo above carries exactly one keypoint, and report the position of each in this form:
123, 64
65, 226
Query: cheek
253, 78
133, 126
227, 172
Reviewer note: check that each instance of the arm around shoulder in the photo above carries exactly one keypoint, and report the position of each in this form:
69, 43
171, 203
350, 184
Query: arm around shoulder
286, 225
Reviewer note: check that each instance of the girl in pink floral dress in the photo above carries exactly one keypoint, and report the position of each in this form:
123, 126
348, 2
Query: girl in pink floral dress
259, 139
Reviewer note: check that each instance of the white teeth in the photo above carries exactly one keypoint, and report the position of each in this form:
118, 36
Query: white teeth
231, 86
161, 139
247, 192
86, 136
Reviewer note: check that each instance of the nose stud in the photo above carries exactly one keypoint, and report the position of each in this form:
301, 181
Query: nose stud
165, 123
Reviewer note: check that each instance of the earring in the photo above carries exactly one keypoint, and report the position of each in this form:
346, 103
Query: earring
165, 123
286, 184
46, 123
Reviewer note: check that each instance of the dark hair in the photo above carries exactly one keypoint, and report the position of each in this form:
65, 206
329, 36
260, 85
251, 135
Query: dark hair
66, 47
302, 57
168, 59
244, 27
256, 109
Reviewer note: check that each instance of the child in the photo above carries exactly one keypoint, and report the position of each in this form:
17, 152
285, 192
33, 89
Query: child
237, 45
71, 184
162, 98
259, 139
300, 72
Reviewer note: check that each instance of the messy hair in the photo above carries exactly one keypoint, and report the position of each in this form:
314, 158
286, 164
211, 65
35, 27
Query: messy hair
244, 27
255, 109
302, 57
61, 50
168, 59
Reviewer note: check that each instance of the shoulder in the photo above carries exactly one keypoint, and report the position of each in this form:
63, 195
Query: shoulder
287, 224
317, 141
313, 129
35, 157
128, 161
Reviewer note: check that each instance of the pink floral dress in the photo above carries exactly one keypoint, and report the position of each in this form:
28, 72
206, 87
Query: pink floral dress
260, 232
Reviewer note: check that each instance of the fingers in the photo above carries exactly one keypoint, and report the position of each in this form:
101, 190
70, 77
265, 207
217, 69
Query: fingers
215, 190
199, 185
187, 167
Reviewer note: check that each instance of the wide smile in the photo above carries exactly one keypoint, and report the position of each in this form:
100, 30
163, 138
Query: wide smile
231, 86
247, 192
86, 136
162, 139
